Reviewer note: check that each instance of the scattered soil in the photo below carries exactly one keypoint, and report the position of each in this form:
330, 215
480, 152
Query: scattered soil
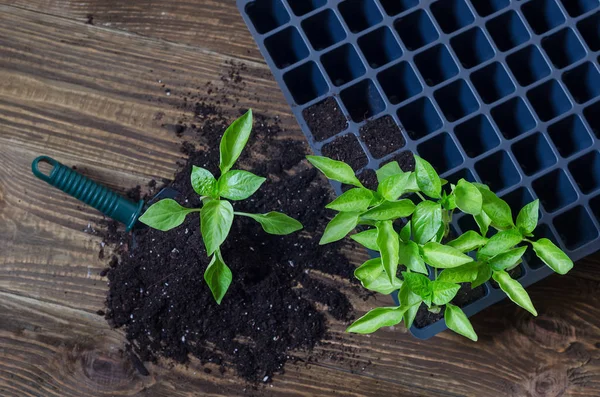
347, 149
325, 119
382, 136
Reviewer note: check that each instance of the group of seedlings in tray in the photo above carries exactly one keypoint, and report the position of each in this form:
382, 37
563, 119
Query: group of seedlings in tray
407, 220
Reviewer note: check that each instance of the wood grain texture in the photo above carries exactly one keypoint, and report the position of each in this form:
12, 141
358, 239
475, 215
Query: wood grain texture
90, 96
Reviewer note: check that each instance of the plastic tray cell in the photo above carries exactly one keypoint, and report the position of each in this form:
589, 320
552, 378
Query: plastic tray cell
504, 92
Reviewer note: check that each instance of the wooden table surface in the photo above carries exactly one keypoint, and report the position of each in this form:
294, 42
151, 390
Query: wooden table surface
79, 82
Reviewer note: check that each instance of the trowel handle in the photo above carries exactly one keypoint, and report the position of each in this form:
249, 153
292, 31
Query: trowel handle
91, 193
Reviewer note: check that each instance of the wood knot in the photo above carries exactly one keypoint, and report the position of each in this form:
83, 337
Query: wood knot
548, 331
549, 383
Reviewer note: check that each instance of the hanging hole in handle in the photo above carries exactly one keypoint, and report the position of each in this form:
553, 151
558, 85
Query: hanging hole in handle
43, 166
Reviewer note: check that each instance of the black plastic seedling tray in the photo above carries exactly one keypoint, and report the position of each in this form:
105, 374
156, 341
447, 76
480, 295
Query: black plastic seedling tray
497, 91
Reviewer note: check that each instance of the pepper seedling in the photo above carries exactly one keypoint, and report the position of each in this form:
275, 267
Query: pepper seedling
426, 209
216, 213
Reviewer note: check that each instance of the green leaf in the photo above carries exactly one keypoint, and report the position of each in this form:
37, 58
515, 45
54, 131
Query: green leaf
484, 273
394, 186
552, 256
354, 200
336, 170
234, 140
389, 245
203, 182
496, 209
483, 221
419, 284
458, 322
390, 210
411, 258
527, 219
373, 277
239, 185
443, 292
412, 186
218, 277
468, 198
499, 243
367, 239
216, 218
377, 318
410, 300
462, 274
426, 221
448, 202
276, 223
468, 242
427, 179
507, 259
443, 256
342, 224
514, 290
405, 232
390, 169
165, 215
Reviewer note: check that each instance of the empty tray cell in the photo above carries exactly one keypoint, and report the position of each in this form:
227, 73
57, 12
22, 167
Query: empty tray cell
419, 118
323, 30
302, 7
472, 47
325, 119
305, 83
286, 47
590, 30
583, 82
456, 100
554, 190
416, 30
528, 65
436, 65
534, 154
518, 199
452, 14
540, 232
498, 171
576, 8
477, 136
395, 7
583, 233
380, 47
549, 100
543, 15
488, 7
595, 206
346, 149
382, 136
592, 115
563, 48
586, 172
360, 14
400, 82
513, 118
493, 83
570, 136
508, 31
441, 152
362, 100
343, 65
267, 15
464, 173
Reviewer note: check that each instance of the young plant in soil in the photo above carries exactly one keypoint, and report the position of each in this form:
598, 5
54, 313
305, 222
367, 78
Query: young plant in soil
217, 214
473, 257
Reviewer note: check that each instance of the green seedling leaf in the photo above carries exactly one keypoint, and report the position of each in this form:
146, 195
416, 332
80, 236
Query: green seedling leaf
336, 170
483, 221
234, 140
373, 277
458, 322
427, 178
527, 219
426, 221
514, 290
218, 277
411, 258
390, 169
354, 200
239, 185
468, 198
552, 256
507, 259
448, 201
420, 285
462, 274
468, 242
499, 243
484, 273
394, 186
203, 182
389, 245
412, 186
276, 223
342, 224
165, 215
443, 292
390, 210
405, 232
410, 300
216, 218
496, 209
367, 239
443, 256
377, 318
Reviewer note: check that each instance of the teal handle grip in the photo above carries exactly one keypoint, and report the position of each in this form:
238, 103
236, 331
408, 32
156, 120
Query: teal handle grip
89, 192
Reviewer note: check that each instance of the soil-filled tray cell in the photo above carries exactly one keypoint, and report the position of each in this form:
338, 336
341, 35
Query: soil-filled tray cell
590, 31
267, 15
534, 154
343, 65
570, 136
487, 7
360, 14
416, 30
592, 115
382, 136
508, 31
576, 8
563, 48
380, 47
575, 237
362, 100
420, 118
554, 190
323, 30
442, 151
400, 83
325, 119
498, 171
286, 47
456, 100
583, 82
513, 118
303, 7
586, 172
472, 48
436, 65
542, 231
452, 15
346, 149
305, 83
395, 7
493, 82
543, 15
549, 100
528, 65
477, 136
